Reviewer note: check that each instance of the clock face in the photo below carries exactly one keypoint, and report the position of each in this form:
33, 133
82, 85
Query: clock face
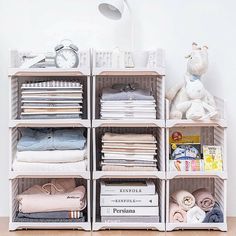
66, 59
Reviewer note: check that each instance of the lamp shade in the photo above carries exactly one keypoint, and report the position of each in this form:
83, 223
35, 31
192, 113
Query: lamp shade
112, 9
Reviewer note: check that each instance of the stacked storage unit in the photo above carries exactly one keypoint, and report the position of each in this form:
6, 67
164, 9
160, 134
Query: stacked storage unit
21, 180
150, 77
213, 133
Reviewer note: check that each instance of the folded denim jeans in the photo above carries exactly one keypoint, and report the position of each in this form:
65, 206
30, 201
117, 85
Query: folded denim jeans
46, 139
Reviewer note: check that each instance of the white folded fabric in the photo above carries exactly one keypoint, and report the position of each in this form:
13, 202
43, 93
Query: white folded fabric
195, 215
128, 157
55, 156
69, 167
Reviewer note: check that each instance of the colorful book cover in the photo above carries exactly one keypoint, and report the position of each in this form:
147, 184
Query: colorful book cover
212, 156
186, 165
187, 151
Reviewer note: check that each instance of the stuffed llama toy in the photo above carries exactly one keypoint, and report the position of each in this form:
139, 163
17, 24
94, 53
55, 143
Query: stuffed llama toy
189, 99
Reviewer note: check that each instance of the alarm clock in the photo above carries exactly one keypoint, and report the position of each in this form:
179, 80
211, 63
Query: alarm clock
66, 56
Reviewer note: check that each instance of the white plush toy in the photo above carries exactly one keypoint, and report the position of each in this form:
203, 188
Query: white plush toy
189, 99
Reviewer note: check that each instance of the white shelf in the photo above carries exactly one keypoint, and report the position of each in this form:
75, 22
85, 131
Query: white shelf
75, 72
192, 123
159, 71
42, 174
50, 123
41, 225
196, 174
128, 174
128, 123
153, 226
209, 226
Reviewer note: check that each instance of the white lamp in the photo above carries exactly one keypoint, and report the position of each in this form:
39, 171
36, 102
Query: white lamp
112, 9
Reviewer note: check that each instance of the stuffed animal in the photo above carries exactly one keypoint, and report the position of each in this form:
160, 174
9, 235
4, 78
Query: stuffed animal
189, 99
195, 108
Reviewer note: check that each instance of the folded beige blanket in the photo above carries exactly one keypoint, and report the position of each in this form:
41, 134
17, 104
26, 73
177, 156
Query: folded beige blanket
177, 214
204, 199
128, 168
130, 138
184, 199
59, 195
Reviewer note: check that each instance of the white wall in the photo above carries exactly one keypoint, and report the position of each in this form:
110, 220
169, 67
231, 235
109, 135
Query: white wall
173, 25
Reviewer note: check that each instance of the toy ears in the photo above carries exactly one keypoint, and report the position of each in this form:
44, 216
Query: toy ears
194, 46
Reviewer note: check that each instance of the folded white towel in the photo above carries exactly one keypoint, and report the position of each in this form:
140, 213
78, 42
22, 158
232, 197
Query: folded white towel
195, 215
55, 156
52, 167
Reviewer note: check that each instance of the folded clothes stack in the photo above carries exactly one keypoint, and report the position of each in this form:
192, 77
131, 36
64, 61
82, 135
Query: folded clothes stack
198, 207
51, 149
51, 99
127, 101
58, 200
128, 152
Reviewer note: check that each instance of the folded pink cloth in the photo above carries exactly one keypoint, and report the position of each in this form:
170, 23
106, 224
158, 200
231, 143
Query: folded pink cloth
184, 199
59, 195
177, 215
204, 199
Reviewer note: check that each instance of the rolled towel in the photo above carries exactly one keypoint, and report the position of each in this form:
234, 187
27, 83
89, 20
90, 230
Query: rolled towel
177, 215
215, 215
184, 199
204, 199
195, 215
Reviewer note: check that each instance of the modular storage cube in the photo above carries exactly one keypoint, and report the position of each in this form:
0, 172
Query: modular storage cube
14, 136
209, 135
217, 186
158, 133
18, 185
98, 225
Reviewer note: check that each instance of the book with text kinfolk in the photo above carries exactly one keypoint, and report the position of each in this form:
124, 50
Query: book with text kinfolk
130, 211
129, 200
128, 188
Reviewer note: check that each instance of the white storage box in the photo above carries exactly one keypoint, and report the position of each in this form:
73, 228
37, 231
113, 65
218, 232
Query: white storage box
158, 133
15, 98
19, 185
215, 185
153, 82
14, 135
98, 224
209, 135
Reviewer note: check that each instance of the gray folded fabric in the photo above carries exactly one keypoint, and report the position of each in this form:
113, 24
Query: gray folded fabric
132, 219
51, 215
109, 94
215, 215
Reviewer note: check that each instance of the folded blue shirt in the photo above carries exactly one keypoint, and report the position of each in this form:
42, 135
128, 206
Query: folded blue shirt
51, 139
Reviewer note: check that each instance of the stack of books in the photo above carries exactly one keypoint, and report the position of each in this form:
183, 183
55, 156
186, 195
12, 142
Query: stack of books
132, 201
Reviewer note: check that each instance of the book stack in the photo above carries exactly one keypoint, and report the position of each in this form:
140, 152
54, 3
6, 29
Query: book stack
129, 152
132, 201
51, 99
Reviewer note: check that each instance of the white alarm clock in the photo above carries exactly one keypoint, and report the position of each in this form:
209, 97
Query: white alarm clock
66, 56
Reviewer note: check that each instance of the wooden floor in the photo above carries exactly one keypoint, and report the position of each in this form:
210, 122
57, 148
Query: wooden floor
4, 231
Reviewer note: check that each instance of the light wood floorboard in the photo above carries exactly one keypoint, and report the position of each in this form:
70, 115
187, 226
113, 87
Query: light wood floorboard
4, 231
